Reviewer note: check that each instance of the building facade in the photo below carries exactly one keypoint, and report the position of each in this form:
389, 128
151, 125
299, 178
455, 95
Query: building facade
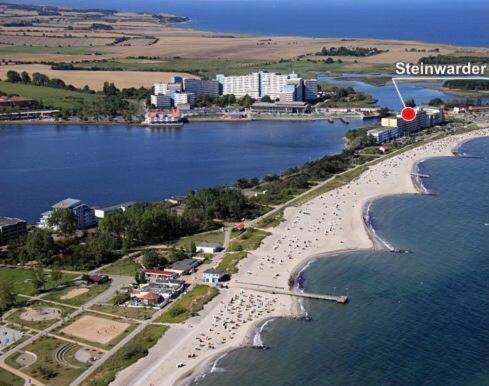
11, 228
161, 101
201, 88
84, 215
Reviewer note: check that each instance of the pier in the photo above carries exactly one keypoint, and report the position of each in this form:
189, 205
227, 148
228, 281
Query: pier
341, 299
420, 175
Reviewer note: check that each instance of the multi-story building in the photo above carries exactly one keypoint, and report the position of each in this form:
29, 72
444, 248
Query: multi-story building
274, 85
425, 117
385, 134
84, 215
11, 228
184, 98
167, 88
161, 101
201, 88
394, 127
104, 212
240, 85
310, 90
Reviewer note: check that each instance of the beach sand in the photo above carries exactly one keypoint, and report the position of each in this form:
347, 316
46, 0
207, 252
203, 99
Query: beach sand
332, 222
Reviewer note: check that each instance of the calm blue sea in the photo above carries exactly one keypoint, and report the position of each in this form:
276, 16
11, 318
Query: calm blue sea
413, 319
440, 21
103, 165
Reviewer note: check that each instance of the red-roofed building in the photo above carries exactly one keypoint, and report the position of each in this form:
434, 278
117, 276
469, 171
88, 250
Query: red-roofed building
157, 274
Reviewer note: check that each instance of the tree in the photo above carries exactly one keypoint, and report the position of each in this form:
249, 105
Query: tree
266, 98
140, 277
192, 248
56, 275
25, 77
7, 294
151, 258
63, 220
109, 89
246, 101
13, 76
436, 102
39, 246
39, 279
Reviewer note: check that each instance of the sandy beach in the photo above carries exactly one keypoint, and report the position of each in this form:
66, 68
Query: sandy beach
330, 223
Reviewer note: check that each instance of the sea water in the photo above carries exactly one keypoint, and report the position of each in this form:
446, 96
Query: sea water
413, 319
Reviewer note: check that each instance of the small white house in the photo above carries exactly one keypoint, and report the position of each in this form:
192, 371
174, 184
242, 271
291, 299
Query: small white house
209, 247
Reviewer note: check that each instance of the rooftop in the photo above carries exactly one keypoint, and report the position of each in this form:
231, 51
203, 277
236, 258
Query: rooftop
184, 264
4, 221
67, 203
214, 271
118, 206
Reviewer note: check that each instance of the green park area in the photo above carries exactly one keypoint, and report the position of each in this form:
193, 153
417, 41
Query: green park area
45, 50
139, 313
9, 379
189, 304
24, 280
230, 260
207, 237
77, 295
130, 353
49, 96
38, 315
125, 266
248, 240
55, 362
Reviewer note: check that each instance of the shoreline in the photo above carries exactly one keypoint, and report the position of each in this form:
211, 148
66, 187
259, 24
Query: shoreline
395, 175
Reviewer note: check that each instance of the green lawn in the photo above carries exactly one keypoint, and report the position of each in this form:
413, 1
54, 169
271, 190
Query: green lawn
125, 266
49, 96
22, 279
46, 50
247, 241
9, 379
189, 304
230, 260
272, 220
46, 368
128, 312
126, 356
210, 237
93, 290
40, 325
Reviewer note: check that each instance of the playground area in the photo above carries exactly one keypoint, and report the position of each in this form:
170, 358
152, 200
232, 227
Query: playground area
95, 329
40, 314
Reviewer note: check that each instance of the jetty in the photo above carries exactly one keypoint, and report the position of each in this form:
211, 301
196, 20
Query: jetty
341, 299
420, 175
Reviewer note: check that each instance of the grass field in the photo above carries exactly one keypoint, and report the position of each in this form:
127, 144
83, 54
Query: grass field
9, 379
127, 312
46, 50
93, 291
210, 67
210, 237
22, 279
230, 260
247, 241
125, 266
47, 369
189, 305
50, 97
126, 356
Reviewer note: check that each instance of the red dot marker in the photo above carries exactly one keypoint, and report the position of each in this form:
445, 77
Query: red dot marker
408, 114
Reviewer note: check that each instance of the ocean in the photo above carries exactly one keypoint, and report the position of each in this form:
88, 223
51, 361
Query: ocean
412, 319
437, 21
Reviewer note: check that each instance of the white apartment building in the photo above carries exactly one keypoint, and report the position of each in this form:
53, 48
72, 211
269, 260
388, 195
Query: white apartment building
241, 85
166, 88
271, 84
184, 98
425, 117
84, 215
